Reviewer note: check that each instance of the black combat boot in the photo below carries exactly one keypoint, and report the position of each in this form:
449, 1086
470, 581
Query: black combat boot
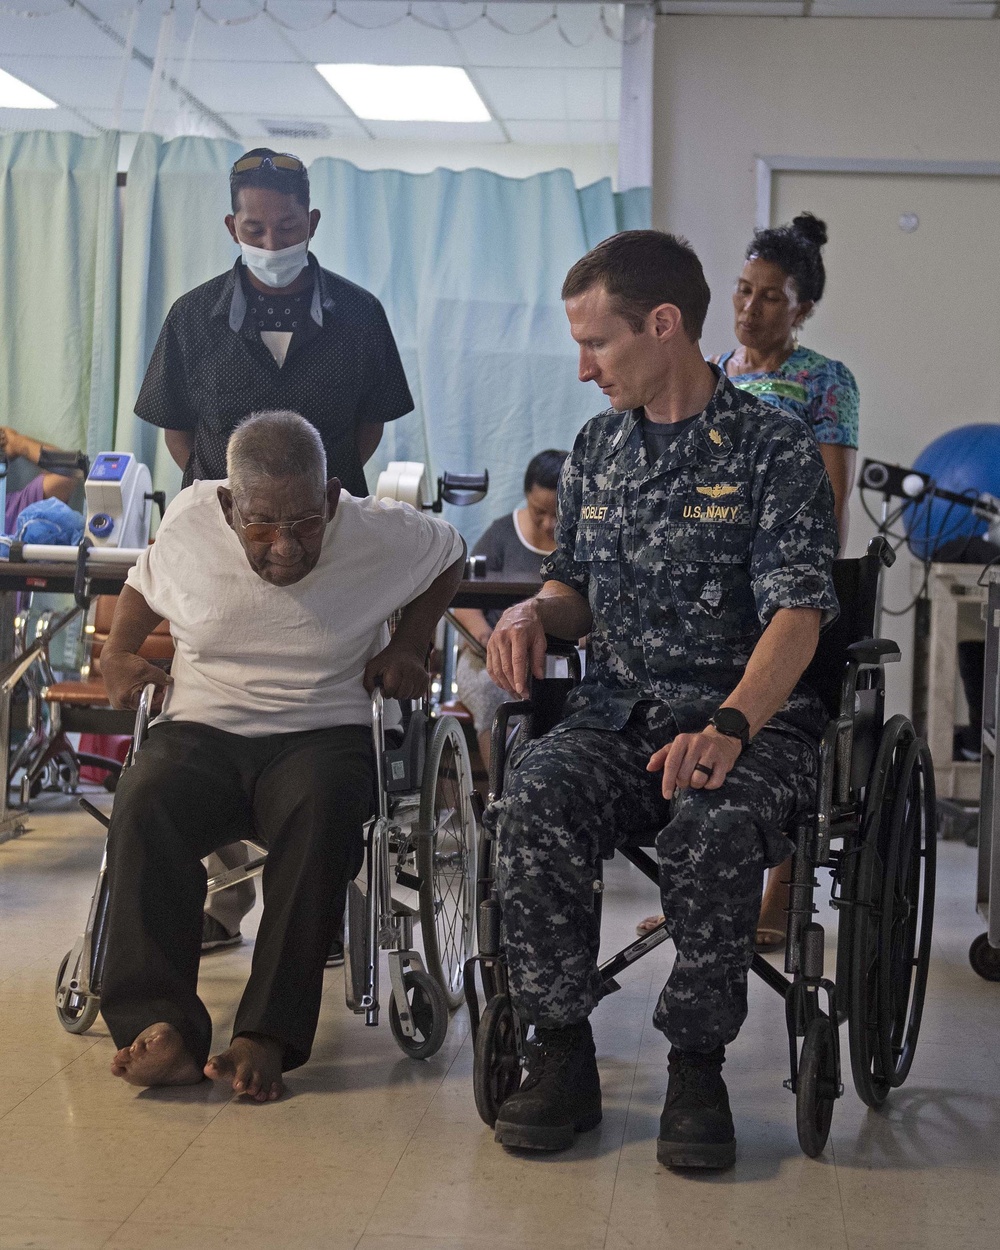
560, 1096
696, 1127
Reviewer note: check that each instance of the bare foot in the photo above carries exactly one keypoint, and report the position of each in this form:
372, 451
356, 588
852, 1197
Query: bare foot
252, 1065
158, 1056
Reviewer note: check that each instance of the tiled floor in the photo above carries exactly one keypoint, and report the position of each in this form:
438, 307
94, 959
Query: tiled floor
374, 1151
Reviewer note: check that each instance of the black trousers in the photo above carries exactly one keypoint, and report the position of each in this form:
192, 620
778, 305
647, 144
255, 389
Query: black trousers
191, 790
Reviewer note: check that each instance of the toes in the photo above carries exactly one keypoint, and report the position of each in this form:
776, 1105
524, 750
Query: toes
249, 1080
219, 1068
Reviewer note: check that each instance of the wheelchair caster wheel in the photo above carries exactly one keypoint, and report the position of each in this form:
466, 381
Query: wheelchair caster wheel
76, 1012
429, 1009
496, 1067
816, 1087
985, 959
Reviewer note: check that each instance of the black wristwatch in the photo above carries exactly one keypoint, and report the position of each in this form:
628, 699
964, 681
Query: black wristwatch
731, 722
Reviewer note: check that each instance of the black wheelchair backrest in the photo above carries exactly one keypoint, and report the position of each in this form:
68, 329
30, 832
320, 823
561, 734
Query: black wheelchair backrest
856, 584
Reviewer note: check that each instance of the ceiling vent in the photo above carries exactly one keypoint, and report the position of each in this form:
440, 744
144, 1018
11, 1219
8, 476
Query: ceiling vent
294, 129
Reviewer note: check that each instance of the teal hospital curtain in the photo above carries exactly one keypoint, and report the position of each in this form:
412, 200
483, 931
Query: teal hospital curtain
58, 298
468, 266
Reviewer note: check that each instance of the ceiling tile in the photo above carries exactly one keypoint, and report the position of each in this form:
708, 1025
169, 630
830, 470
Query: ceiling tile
55, 119
405, 42
552, 94
550, 132
575, 39
249, 41
438, 132
250, 126
69, 80
264, 89
52, 35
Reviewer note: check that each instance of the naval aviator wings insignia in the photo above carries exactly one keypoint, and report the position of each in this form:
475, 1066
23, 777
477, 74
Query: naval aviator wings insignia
717, 492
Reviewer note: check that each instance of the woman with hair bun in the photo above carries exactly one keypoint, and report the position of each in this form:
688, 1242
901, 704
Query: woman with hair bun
781, 282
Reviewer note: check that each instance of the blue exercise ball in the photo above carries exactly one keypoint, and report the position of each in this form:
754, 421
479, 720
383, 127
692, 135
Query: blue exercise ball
966, 460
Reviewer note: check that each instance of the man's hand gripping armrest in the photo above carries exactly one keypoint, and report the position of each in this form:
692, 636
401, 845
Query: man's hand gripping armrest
124, 671
401, 667
517, 646
782, 654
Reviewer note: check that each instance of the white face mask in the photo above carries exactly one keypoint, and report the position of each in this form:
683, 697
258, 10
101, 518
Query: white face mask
278, 269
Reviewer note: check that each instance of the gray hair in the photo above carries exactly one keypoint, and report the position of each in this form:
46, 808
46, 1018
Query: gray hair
269, 445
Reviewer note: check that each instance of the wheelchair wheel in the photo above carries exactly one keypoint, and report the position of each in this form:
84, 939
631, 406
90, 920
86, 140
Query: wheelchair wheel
891, 913
429, 1009
496, 1064
907, 915
76, 1012
816, 1086
446, 844
985, 959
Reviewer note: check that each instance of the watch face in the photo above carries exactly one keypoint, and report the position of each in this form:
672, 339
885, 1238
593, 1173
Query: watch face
728, 720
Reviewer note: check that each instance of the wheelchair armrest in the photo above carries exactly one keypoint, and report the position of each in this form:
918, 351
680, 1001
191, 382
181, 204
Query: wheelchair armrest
498, 741
562, 659
143, 715
874, 651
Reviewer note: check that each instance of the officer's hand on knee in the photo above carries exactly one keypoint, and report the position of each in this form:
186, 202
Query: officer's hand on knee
700, 761
125, 677
517, 647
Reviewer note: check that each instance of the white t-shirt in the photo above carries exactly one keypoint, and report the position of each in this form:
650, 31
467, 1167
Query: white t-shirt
254, 659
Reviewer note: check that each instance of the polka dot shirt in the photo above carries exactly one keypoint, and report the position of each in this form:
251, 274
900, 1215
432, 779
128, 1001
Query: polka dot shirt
210, 368
286, 313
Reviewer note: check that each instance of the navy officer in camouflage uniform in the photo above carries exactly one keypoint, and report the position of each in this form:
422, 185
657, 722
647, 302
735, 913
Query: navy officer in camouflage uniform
695, 541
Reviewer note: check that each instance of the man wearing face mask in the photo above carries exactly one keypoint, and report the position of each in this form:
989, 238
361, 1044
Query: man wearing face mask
275, 332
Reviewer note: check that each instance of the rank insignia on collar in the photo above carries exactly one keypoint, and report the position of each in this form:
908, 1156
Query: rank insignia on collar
716, 492
716, 437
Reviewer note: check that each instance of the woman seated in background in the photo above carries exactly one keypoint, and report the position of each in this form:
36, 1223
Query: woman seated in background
513, 546
43, 486
781, 283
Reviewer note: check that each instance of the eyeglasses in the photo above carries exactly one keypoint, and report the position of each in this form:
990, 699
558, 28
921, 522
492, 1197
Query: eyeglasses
281, 162
306, 529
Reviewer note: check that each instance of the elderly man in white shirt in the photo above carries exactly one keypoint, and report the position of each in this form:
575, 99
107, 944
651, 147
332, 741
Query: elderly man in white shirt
277, 586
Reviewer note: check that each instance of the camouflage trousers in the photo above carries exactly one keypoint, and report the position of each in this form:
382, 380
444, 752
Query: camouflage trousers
571, 797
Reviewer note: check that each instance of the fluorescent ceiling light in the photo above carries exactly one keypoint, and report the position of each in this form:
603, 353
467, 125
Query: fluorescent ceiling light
15, 94
407, 93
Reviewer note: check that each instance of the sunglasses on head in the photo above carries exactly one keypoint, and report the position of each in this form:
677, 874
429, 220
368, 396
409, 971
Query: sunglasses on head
281, 162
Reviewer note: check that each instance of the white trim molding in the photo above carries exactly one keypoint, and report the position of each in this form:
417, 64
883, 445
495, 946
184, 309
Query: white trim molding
768, 166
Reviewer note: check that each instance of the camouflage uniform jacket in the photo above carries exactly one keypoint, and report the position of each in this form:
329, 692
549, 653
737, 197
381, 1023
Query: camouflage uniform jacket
684, 562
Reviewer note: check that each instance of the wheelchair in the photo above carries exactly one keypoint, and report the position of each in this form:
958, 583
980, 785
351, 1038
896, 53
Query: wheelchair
873, 827
420, 865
